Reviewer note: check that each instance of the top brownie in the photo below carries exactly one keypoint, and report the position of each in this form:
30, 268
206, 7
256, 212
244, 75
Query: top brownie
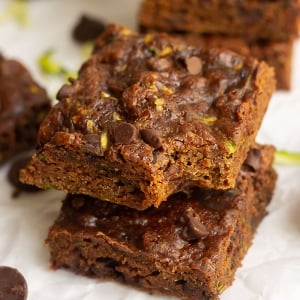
149, 116
250, 19
23, 104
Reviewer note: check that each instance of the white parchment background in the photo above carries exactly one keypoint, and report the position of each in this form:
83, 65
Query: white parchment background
271, 269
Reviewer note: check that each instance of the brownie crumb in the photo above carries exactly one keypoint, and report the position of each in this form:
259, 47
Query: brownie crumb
87, 29
13, 285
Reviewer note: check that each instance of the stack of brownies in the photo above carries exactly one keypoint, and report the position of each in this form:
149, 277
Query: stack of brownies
154, 143
263, 29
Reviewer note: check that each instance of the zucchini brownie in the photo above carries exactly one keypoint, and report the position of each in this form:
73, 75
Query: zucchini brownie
149, 116
23, 105
250, 19
189, 247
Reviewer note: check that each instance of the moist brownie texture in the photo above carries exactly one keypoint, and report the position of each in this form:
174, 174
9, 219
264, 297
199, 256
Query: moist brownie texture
250, 19
189, 247
23, 105
149, 116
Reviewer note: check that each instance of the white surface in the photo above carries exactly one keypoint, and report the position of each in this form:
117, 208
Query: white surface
271, 269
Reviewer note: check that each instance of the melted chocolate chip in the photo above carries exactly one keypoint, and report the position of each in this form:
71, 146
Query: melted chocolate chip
125, 133
195, 228
13, 285
13, 177
193, 65
87, 29
65, 91
151, 137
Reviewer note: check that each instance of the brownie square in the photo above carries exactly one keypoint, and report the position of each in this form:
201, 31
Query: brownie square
23, 105
249, 19
189, 247
149, 116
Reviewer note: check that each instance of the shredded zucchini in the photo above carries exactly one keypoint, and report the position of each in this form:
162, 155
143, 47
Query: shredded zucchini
50, 66
287, 158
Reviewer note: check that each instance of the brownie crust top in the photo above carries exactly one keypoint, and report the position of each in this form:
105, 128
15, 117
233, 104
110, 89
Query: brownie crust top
138, 93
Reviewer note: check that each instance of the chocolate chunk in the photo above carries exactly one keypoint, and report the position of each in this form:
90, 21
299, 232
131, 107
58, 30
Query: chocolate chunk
195, 228
125, 133
193, 65
87, 29
13, 285
151, 137
13, 177
253, 160
65, 91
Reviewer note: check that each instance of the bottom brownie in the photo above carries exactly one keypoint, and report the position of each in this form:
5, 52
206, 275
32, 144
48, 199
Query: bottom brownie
189, 247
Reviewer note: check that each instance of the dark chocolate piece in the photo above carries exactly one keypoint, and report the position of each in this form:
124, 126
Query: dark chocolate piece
151, 137
13, 285
195, 228
88, 29
125, 133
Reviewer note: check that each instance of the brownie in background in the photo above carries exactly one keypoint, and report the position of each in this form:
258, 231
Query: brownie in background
23, 105
263, 29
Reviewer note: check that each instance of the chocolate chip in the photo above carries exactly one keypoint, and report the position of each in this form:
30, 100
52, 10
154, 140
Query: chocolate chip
65, 91
87, 29
151, 137
195, 228
13, 285
253, 160
13, 176
125, 133
193, 65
